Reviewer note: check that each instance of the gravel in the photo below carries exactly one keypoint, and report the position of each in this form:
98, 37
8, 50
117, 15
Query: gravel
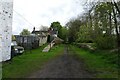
64, 66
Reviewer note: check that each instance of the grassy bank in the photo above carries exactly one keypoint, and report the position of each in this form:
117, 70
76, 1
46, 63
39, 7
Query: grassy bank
29, 62
102, 63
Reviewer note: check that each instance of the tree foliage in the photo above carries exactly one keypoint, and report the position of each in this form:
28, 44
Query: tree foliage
73, 26
62, 30
64, 33
57, 26
99, 24
25, 32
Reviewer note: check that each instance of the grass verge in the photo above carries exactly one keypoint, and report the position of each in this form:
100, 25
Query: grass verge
29, 62
99, 62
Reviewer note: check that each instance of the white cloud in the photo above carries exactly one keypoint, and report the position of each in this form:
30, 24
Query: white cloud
43, 12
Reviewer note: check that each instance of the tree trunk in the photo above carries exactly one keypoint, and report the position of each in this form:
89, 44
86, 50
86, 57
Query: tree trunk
110, 23
116, 28
116, 6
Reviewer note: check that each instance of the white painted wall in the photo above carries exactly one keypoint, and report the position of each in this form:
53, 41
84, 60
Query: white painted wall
42, 40
6, 11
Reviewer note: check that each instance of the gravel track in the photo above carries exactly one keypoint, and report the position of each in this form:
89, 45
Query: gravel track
64, 66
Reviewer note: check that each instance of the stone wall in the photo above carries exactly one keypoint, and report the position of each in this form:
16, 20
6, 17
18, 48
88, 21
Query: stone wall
6, 11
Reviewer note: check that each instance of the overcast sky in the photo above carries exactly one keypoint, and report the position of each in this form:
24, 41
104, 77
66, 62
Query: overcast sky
30, 13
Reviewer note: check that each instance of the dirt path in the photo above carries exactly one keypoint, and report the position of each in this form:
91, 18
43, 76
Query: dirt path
65, 66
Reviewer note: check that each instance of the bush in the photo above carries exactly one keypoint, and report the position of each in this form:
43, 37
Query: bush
107, 42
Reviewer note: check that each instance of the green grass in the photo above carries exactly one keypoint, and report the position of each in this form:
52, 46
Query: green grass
99, 62
27, 63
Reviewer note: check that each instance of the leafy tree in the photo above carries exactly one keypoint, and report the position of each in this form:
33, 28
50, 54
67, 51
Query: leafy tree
62, 30
107, 18
97, 24
117, 29
25, 32
64, 34
84, 35
73, 26
58, 27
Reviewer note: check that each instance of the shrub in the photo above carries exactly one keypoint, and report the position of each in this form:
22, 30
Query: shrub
106, 42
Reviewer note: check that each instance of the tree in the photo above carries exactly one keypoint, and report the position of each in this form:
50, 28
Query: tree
25, 32
58, 27
64, 34
73, 26
103, 22
97, 24
116, 6
116, 25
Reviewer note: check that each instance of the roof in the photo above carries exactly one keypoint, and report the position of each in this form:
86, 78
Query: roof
40, 33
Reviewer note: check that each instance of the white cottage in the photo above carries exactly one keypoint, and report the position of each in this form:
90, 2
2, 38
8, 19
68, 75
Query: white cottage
6, 11
42, 35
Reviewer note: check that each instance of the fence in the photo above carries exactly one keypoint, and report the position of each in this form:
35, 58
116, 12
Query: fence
28, 42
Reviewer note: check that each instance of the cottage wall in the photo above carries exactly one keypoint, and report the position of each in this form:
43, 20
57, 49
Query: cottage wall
42, 40
6, 11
